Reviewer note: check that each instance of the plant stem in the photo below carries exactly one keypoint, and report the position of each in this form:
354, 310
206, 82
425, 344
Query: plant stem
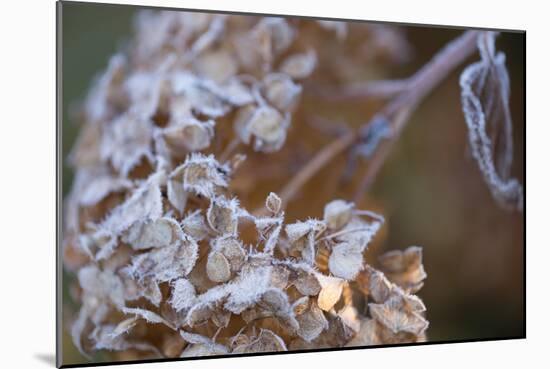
397, 111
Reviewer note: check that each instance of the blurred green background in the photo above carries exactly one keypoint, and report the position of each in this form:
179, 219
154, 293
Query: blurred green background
432, 192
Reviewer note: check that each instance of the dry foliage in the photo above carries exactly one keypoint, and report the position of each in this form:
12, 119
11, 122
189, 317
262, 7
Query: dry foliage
169, 263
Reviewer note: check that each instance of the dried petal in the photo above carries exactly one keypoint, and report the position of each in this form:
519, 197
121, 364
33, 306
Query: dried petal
183, 295
126, 141
189, 135
166, 263
159, 233
267, 341
273, 203
331, 290
222, 215
405, 268
202, 174
312, 323
217, 267
345, 261
280, 91
299, 66
338, 213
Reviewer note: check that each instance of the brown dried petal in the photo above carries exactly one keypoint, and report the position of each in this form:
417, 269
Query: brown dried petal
345, 261
367, 335
166, 263
338, 213
189, 135
280, 91
307, 284
183, 295
273, 203
299, 66
222, 215
217, 267
126, 141
194, 226
300, 306
267, 341
158, 233
331, 290
393, 315
233, 251
202, 174
405, 268
312, 323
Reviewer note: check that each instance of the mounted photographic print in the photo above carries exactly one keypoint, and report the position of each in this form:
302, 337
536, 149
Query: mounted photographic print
240, 184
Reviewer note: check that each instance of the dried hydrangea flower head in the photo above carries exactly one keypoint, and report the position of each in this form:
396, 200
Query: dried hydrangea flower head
154, 233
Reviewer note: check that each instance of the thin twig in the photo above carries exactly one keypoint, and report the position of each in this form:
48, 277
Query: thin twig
397, 112
324, 156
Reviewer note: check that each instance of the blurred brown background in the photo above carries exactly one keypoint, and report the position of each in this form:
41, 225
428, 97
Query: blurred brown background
429, 190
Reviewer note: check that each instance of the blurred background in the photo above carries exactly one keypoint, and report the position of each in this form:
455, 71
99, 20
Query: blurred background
430, 190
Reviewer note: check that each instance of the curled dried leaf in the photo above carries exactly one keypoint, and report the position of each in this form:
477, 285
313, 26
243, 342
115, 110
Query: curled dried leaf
485, 94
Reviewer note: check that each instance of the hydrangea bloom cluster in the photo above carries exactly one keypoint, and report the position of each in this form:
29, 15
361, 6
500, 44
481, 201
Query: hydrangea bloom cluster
156, 238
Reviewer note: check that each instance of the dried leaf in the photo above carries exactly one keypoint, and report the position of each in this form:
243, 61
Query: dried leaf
485, 102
